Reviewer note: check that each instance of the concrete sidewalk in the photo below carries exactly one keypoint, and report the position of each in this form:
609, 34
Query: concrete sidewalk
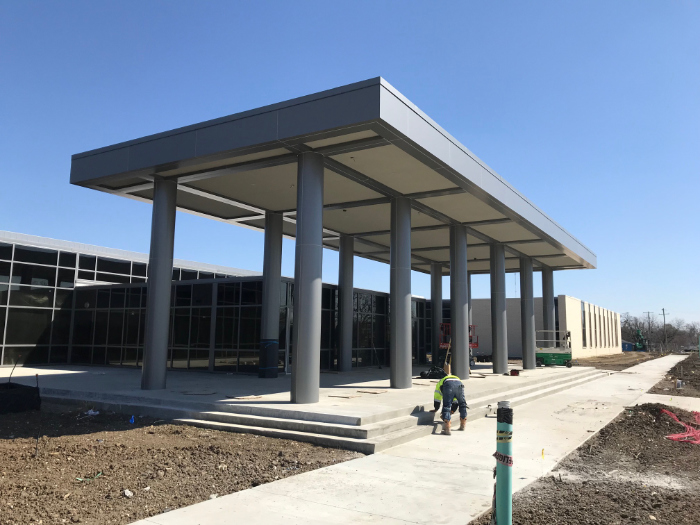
436, 479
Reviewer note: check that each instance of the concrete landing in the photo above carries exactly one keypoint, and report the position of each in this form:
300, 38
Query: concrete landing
416, 482
357, 411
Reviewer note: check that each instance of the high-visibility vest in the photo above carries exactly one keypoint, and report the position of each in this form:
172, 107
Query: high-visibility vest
437, 395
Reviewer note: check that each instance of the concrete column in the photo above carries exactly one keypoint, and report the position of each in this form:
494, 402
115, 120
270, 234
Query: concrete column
469, 297
306, 356
548, 305
459, 301
527, 314
400, 288
160, 276
345, 285
436, 302
272, 278
499, 324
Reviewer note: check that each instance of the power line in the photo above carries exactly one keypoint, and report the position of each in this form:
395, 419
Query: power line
649, 314
664, 312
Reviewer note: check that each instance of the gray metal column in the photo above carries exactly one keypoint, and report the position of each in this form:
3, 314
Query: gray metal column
527, 314
160, 276
400, 288
272, 277
308, 263
548, 306
459, 301
436, 304
499, 323
345, 285
469, 297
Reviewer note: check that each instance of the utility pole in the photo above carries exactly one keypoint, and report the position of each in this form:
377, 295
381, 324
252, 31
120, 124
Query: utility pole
664, 312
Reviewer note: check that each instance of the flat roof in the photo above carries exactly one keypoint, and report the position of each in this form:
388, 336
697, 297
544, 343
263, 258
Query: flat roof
377, 145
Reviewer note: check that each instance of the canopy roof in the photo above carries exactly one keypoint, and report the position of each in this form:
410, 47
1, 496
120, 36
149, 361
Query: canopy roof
377, 145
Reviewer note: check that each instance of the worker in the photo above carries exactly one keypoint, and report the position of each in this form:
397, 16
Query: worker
449, 390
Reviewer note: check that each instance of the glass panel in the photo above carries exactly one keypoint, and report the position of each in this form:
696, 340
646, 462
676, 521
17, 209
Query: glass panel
85, 298
103, 298
380, 304
132, 327
179, 357
138, 279
34, 275
67, 259
364, 358
380, 331
200, 328
26, 355
283, 294
364, 302
87, 262
134, 297
101, 322
199, 358
129, 357
99, 355
326, 328
188, 275
183, 295
138, 269
283, 328
3, 314
31, 254
248, 361
114, 355
229, 294
30, 296
325, 360
66, 278
109, 278
326, 298
81, 355
201, 295
206, 275
58, 354
86, 276
118, 298
4, 272
176, 274
60, 327
26, 326
219, 276
4, 292
227, 328
251, 292
5, 251
82, 327
181, 327
142, 322
226, 360
105, 264
364, 333
116, 326
250, 327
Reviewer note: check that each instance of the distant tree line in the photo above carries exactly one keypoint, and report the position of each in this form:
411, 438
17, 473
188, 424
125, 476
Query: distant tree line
678, 332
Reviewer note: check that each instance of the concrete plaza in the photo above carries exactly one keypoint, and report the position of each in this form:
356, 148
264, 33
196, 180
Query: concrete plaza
435, 479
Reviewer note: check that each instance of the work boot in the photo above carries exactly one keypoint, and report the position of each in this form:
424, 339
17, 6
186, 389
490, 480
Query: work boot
446, 427
463, 423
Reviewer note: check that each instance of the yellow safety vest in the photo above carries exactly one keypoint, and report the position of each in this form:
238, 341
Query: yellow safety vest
437, 396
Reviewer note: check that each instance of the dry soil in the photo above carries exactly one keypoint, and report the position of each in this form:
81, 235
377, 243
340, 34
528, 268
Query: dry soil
617, 362
687, 371
83, 466
627, 473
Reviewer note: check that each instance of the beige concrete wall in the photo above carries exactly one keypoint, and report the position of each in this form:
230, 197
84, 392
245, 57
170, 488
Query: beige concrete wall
600, 327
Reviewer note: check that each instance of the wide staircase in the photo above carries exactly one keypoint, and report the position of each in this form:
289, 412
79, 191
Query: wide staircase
364, 434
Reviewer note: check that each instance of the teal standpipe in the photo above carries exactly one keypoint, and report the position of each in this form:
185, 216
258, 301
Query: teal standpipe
504, 466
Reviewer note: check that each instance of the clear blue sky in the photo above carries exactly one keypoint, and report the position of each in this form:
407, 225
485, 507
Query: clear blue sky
591, 109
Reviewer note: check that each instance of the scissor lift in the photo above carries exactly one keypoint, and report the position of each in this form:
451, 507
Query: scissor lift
446, 343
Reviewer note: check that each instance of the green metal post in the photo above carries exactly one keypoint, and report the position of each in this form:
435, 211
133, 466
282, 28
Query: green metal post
504, 465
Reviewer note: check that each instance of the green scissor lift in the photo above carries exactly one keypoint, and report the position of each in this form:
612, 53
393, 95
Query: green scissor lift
553, 351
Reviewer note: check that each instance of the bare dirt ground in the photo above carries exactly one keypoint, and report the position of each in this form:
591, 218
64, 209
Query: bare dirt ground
617, 362
629, 472
688, 371
86, 464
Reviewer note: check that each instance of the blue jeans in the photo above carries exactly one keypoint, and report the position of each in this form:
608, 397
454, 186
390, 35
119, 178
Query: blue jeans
453, 390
